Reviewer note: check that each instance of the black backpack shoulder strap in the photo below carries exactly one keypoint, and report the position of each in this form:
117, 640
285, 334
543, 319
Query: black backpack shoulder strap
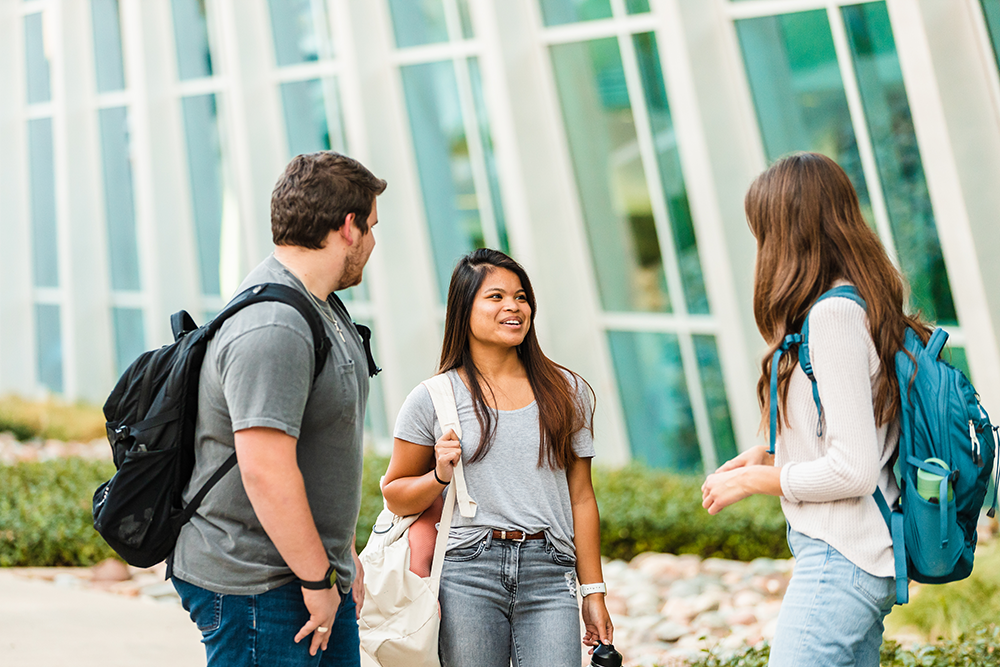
287, 295
251, 295
364, 332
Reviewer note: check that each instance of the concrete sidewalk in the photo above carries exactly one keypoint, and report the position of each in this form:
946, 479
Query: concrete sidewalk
45, 624
42, 623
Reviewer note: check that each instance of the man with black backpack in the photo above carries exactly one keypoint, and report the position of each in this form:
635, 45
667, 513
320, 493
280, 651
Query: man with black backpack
268, 558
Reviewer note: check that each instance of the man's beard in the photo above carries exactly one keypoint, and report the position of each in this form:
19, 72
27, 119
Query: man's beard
354, 265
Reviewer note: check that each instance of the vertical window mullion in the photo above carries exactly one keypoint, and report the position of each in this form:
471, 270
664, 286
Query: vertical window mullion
865, 148
668, 250
651, 167
477, 158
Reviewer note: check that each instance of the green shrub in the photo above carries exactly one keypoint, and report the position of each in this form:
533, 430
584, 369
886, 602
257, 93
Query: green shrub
46, 520
647, 510
980, 647
50, 419
371, 497
45, 513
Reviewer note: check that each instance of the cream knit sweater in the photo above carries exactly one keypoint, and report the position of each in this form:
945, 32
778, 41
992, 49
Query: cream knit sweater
827, 482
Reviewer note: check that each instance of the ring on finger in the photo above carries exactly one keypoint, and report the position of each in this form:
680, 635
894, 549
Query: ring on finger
321, 629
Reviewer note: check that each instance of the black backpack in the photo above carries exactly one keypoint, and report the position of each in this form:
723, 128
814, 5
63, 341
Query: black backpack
151, 416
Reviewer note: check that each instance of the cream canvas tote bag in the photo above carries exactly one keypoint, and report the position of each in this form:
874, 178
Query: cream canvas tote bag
399, 618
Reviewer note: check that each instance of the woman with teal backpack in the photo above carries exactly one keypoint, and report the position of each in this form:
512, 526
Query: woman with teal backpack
811, 238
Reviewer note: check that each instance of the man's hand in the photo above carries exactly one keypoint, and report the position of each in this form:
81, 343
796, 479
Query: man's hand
322, 606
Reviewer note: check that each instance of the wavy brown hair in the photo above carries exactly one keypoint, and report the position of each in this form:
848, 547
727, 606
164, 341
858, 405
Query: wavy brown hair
810, 232
560, 414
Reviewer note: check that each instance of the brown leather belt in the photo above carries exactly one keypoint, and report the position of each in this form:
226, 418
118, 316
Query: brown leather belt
515, 535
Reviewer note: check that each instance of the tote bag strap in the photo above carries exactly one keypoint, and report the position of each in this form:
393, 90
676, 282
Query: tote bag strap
443, 396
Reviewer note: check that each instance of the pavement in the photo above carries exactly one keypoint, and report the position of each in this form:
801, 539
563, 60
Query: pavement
49, 621
43, 624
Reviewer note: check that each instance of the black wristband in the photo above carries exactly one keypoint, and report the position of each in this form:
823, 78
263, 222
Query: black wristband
440, 481
325, 583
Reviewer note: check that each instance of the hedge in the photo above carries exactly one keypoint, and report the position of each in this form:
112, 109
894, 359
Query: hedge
45, 515
648, 510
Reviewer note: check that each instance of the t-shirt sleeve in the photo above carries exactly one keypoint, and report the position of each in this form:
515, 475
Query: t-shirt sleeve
266, 376
415, 421
583, 440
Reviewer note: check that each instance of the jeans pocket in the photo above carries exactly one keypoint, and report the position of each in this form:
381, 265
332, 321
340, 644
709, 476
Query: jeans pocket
559, 558
462, 554
879, 591
203, 606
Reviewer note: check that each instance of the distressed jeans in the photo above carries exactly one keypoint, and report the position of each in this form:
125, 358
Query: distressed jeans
259, 630
505, 602
832, 612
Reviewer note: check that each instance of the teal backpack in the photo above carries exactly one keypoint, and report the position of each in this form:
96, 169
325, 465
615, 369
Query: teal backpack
933, 524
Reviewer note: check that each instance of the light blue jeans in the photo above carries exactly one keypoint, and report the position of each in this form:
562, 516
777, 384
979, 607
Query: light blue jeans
506, 602
832, 612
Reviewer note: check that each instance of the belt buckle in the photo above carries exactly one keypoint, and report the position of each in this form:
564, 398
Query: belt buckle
524, 536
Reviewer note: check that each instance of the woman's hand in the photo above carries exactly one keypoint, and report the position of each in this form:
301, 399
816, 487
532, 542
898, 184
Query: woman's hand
596, 622
722, 489
447, 452
754, 456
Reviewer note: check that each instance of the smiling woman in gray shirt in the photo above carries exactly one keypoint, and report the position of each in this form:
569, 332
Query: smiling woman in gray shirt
509, 583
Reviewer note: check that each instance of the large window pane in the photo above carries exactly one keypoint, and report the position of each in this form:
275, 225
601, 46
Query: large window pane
107, 45
417, 22
672, 179
610, 176
486, 139
898, 157
557, 12
443, 163
205, 169
48, 339
44, 233
991, 10
307, 121
654, 395
296, 37
130, 336
466, 18
194, 58
714, 387
118, 202
36, 59
798, 90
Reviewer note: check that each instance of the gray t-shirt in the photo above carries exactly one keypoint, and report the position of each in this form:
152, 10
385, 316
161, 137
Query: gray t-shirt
512, 492
258, 371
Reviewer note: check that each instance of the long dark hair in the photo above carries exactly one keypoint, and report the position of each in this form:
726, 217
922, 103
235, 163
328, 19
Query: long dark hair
560, 414
810, 232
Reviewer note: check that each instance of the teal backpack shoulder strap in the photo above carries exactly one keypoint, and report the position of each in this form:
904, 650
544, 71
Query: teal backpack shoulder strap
802, 340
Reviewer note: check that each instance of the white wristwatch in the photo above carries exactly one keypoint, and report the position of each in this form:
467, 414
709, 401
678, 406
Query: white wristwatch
587, 589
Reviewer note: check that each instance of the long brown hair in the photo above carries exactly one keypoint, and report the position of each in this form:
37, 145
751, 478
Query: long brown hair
810, 232
560, 414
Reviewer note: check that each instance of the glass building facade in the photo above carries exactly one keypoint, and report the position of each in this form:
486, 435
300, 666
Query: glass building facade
606, 144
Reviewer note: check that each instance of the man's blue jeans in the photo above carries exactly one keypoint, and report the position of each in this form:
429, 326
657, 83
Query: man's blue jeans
832, 612
252, 630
